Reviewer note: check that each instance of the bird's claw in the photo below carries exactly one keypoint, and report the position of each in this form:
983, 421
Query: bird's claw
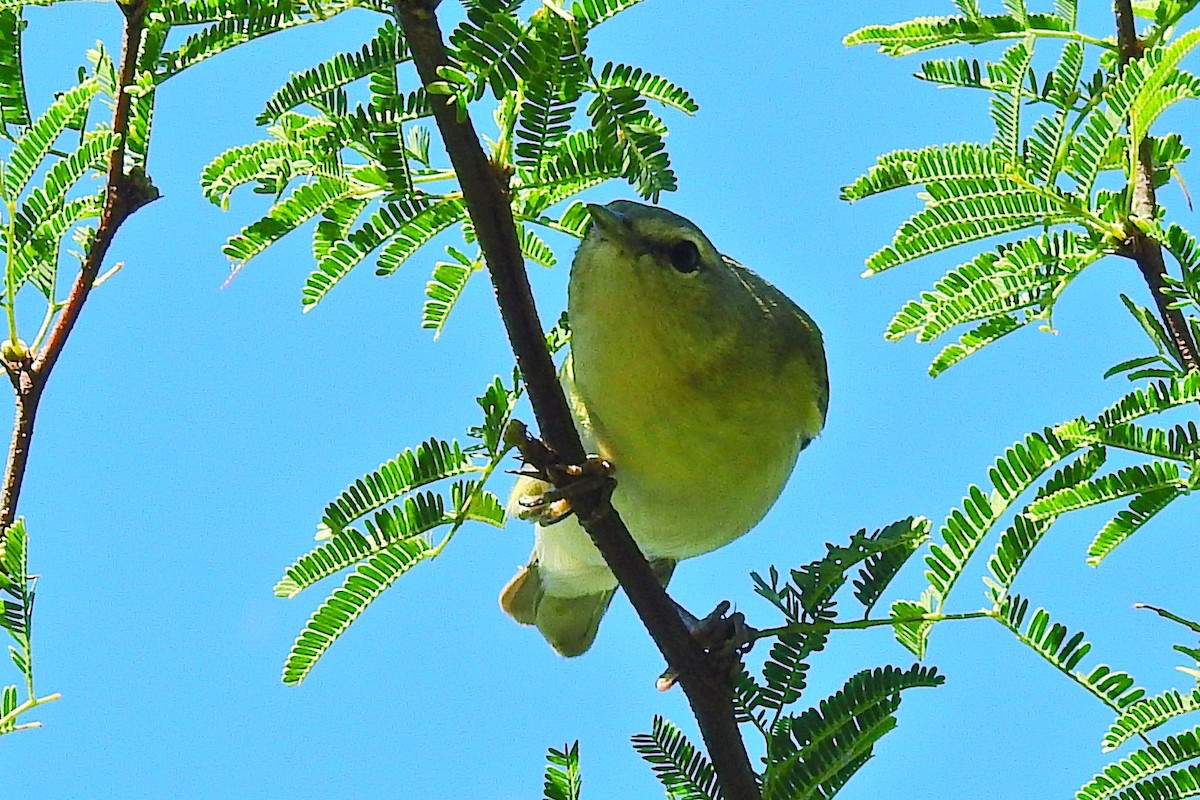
568, 481
725, 638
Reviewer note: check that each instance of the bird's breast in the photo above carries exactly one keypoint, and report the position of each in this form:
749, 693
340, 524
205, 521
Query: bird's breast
702, 449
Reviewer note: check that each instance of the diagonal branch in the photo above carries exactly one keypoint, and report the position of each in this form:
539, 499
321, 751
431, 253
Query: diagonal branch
1146, 252
706, 684
124, 194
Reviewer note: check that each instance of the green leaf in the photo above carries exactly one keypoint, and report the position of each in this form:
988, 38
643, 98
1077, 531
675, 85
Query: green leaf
419, 514
1141, 510
815, 753
620, 116
974, 166
444, 289
975, 340
1049, 640
1145, 715
1152, 399
418, 230
497, 402
406, 224
1154, 477
1123, 774
347, 602
562, 780
648, 85
427, 463
913, 635
1006, 106
14, 107
785, 672
1150, 324
1023, 535
37, 260
17, 589
1021, 275
1045, 145
590, 13
679, 766
959, 220
925, 33
491, 43
386, 49
33, 146
305, 202
1179, 444
1162, 87
249, 20
964, 529
897, 543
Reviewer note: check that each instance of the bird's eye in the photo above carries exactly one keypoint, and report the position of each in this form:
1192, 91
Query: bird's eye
684, 256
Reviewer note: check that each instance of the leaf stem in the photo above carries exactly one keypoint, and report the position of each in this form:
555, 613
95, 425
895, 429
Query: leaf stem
10, 268
1162, 612
863, 624
28, 705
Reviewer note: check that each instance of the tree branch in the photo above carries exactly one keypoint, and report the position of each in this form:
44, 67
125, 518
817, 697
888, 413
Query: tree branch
704, 681
1146, 252
124, 194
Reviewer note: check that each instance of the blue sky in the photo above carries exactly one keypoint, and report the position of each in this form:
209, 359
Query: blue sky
191, 436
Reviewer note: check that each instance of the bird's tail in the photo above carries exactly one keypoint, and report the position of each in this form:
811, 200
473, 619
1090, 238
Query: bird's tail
569, 624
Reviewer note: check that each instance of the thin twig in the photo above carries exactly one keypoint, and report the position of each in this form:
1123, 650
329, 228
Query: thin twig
1146, 252
706, 685
123, 195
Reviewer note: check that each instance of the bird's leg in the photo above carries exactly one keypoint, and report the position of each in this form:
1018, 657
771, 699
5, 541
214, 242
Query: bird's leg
725, 637
568, 481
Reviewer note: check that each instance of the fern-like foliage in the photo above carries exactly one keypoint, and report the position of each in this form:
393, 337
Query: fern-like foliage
1133, 776
364, 170
14, 106
562, 781
1148, 714
385, 523
1039, 171
1047, 197
1050, 640
683, 770
808, 604
815, 753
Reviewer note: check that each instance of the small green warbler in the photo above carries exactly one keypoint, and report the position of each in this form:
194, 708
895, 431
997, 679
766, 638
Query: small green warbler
699, 381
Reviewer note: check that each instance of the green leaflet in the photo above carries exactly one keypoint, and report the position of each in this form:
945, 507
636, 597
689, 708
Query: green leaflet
14, 107
307, 201
346, 603
562, 781
926, 33
385, 49
1149, 713
815, 753
1152, 477
384, 224
1050, 640
683, 770
34, 145
963, 531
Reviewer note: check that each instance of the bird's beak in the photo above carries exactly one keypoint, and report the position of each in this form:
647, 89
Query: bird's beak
609, 224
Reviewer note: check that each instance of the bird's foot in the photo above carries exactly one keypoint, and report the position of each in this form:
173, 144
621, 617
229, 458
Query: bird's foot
725, 637
568, 481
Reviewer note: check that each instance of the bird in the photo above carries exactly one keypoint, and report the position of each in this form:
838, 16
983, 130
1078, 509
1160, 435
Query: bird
697, 380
